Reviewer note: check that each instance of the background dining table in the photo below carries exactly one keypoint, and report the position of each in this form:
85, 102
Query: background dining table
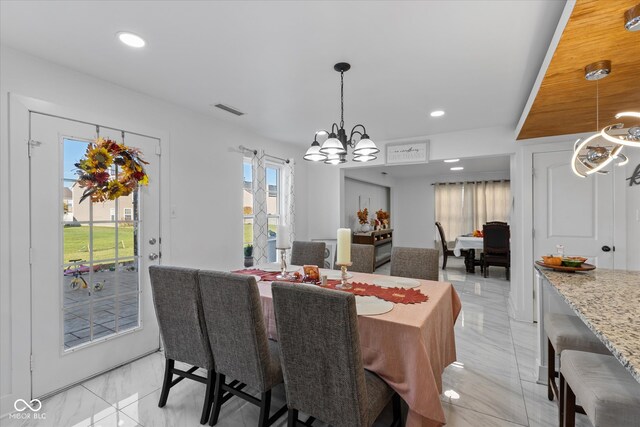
408, 347
469, 244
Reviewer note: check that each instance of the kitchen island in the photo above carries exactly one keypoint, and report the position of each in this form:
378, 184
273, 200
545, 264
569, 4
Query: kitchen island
607, 301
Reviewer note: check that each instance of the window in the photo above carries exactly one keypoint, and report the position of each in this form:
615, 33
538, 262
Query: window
112, 214
128, 214
247, 203
273, 208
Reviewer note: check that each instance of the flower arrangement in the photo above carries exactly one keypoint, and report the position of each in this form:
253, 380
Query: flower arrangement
363, 216
383, 218
94, 171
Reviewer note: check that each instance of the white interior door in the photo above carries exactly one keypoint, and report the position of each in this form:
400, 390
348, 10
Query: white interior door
572, 211
91, 300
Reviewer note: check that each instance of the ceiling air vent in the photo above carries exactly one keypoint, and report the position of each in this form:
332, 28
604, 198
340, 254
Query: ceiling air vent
229, 109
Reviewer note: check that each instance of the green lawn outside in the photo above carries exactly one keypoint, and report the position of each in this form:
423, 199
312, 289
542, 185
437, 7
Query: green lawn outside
248, 232
76, 243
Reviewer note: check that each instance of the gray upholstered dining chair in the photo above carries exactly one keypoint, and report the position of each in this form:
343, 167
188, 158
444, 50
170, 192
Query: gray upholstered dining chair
238, 338
416, 263
176, 299
362, 258
321, 359
308, 253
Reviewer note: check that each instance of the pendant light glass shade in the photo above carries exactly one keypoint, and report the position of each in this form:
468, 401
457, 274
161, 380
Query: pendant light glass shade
364, 158
313, 153
333, 146
335, 159
365, 147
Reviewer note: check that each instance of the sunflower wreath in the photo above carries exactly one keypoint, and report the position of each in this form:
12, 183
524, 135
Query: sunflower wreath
96, 173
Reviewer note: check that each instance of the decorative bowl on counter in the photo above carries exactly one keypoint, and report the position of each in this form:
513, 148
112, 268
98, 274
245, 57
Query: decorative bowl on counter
552, 260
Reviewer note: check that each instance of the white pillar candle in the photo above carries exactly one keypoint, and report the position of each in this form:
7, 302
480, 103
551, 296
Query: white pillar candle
344, 246
282, 237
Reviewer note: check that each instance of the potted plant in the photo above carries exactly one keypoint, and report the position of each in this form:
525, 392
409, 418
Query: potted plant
363, 219
248, 255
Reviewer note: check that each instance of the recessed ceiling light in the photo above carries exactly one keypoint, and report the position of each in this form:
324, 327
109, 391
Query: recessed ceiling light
131, 39
451, 160
457, 168
437, 113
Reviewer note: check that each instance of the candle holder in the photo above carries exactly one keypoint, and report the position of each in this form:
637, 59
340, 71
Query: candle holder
343, 276
283, 264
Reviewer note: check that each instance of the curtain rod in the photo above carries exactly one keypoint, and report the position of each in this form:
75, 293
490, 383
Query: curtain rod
254, 151
471, 182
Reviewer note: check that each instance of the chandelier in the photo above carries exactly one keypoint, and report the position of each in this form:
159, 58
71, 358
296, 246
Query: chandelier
334, 149
592, 154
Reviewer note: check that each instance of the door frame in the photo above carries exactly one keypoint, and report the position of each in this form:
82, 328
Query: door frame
19, 223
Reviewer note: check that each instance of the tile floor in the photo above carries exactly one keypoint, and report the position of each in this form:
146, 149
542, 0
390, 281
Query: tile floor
492, 384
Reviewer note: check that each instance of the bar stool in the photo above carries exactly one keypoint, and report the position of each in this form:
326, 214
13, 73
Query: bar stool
609, 394
567, 333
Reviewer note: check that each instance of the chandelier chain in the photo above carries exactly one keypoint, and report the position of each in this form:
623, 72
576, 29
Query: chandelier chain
342, 99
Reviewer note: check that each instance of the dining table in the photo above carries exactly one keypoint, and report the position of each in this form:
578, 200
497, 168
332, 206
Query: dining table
408, 347
468, 244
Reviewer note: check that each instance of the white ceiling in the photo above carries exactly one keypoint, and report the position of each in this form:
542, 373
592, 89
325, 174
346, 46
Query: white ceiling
274, 59
439, 169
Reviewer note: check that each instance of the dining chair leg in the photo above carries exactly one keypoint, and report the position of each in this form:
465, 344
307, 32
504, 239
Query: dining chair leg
208, 396
265, 405
292, 417
569, 406
166, 384
217, 399
551, 369
444, 261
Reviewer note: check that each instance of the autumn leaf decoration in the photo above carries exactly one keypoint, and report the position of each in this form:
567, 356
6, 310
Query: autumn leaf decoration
110, 170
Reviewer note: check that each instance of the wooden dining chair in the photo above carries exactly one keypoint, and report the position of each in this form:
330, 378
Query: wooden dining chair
496, 249
446, 252
238, 338
308, 253
321, 359
178, 306
416, 263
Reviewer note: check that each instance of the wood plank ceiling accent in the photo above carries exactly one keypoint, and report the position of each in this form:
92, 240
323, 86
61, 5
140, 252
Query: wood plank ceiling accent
566, 101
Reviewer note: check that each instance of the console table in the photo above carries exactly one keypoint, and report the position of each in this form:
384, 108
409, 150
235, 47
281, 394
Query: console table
383, 242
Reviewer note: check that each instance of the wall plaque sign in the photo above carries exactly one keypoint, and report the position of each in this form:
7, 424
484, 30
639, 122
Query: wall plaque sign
407, 152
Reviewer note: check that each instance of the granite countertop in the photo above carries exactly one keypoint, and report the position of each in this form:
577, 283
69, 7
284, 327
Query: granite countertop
608, 302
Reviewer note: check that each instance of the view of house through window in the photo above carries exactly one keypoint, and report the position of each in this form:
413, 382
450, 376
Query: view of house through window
247, 207
99, 262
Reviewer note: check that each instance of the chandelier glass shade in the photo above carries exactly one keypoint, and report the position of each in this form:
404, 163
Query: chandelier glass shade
333, 150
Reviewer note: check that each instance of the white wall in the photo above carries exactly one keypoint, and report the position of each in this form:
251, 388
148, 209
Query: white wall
632, 210
206, 230
377, 195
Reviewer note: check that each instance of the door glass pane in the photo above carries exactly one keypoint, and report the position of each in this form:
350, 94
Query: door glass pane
248, 231
100, 259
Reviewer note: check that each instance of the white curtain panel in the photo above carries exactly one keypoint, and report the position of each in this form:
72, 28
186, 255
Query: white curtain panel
464, 207
449, 202
289, 201
259, 208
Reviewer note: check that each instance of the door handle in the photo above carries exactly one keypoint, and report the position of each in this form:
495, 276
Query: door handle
153, 256
605, 248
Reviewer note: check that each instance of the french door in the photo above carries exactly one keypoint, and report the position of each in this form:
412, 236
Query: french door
90, 292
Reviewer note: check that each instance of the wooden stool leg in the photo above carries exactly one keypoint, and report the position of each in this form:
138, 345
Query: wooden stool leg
569, 406
561, 400
551, 370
